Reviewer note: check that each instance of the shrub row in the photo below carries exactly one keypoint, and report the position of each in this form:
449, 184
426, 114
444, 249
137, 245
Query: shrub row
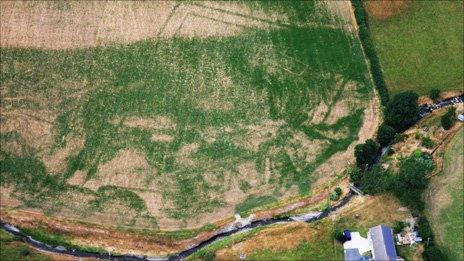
369, 49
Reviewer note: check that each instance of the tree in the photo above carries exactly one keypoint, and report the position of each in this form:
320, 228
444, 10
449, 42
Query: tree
356, 176
402, 111
376, 180
427, 143
385, 134
366, 153
447, 120
399, 226
411, 180
432, 253
434, 94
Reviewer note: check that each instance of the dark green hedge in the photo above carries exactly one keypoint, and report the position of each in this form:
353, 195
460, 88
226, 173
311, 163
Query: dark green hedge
369, 49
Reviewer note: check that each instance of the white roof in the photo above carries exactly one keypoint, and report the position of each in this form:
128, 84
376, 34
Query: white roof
359, 242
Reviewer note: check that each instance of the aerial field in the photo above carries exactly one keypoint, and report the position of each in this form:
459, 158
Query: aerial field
419, 44
179, 113
445, 202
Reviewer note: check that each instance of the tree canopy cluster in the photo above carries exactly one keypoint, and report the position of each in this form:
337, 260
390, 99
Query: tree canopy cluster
402, 111
447, 120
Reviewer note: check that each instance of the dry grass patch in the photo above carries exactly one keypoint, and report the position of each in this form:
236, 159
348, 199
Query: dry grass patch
277, 238
34, 127
128, 169
93, 23
368, 211
384, 9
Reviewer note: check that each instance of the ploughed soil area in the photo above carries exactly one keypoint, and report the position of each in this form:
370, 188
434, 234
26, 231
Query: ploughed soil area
384, 9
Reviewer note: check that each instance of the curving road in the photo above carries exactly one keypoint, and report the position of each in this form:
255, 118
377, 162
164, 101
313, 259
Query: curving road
309, 217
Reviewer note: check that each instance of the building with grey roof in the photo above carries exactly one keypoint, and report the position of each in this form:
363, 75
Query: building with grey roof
383, 246
379, 243
352, 254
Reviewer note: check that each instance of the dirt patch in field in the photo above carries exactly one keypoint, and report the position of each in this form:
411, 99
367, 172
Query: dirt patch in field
56, 162
61, 25
7, 199
184, 153
13, 147
127, 169
384, 9
35, 127
309, 148
78, 178
257, 134
162, 138
339, 110
319, 112
156, 205
158, 123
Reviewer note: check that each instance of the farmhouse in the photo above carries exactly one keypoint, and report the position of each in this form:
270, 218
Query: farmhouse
379, 243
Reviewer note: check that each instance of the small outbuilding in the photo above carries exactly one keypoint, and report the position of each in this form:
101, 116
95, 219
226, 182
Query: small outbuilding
461, 117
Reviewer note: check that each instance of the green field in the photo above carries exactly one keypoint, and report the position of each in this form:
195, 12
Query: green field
161, 97
421, 48
447, 220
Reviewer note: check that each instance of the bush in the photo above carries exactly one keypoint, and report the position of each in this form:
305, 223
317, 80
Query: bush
433, 253
447, 120
336, 194
366, 153
334, 197
369, 49
411, 180
399, 137
402, 111
375, 180
385, 134
337, 234
356, 176
434, 94
399, 226
423, 228
427, 142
